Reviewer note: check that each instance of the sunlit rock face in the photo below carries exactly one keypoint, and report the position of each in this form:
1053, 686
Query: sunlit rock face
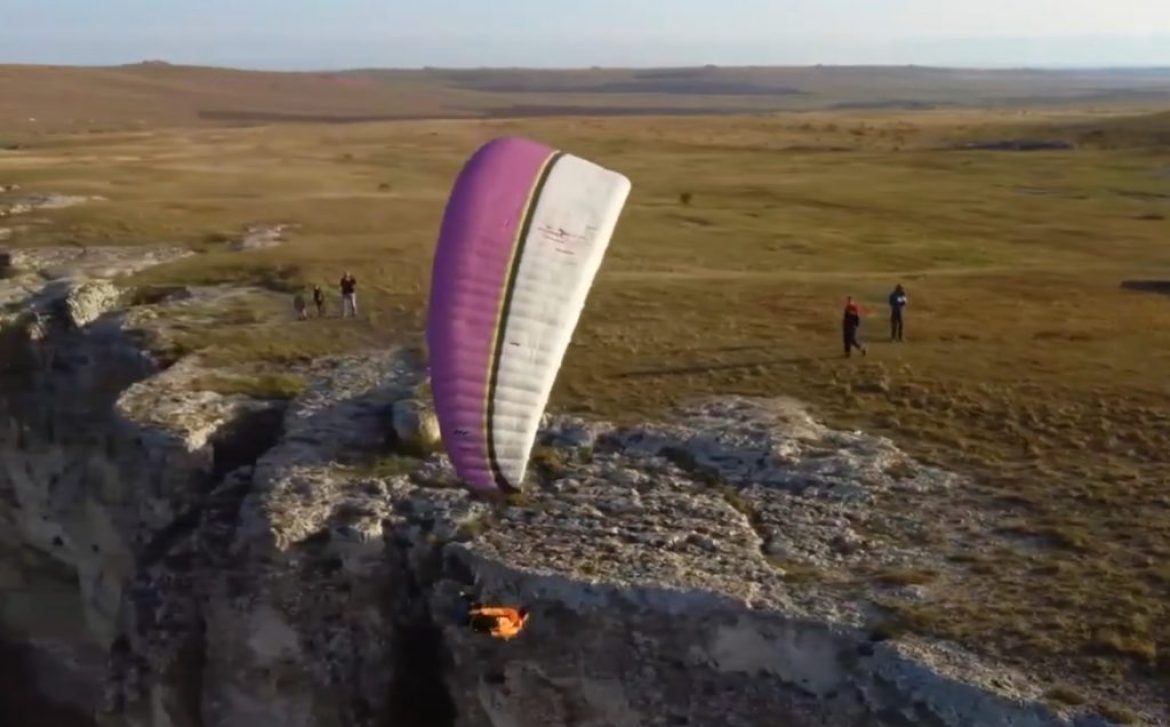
172, 556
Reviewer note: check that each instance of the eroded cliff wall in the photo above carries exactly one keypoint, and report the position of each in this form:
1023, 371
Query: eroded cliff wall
170, 556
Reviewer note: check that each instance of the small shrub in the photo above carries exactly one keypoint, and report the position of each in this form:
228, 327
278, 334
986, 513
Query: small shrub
1117, 713
1136, 646
518, 499
471, 529
1065, 696
736, 499
382, 466
905, 577
685, 199
549, 463
686, 461
153, 294
215, 238
794, 571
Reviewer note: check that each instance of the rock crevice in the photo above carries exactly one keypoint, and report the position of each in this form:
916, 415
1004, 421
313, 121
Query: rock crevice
174, 556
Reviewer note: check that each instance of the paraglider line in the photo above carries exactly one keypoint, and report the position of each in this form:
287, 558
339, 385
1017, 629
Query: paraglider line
505, 308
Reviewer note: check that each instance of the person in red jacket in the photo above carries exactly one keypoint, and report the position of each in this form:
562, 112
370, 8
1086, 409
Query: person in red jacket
319, 300
850, 323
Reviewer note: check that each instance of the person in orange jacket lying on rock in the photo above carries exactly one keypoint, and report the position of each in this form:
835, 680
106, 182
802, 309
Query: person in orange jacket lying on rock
502, 622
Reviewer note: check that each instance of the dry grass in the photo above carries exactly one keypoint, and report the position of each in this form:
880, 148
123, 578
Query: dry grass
1026, 365
47, 99
261, 386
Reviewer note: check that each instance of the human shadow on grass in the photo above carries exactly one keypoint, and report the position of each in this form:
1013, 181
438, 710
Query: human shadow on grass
726, 348
1147, 286
707, 368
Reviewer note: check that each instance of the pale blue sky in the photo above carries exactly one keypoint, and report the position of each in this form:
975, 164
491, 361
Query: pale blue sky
302, 34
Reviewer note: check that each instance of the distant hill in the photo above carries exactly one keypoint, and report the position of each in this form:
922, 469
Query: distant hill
156, 93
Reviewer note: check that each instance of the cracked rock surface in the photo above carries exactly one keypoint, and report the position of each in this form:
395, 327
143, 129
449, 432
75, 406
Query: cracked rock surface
172, 556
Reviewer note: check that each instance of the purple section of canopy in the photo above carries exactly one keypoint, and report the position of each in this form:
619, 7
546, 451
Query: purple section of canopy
483, 217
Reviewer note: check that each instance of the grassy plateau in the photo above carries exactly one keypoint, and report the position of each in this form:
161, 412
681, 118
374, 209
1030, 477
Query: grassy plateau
1027, 363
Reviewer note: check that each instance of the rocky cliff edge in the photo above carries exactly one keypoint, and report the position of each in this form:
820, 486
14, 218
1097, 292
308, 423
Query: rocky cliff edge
175, 556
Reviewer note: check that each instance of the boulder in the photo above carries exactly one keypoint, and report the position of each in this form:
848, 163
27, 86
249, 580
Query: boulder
88, 301
414, 426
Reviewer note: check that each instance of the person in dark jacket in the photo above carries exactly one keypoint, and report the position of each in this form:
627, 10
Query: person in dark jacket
299, 305
850, 323
898, 301
348, 295
319, 300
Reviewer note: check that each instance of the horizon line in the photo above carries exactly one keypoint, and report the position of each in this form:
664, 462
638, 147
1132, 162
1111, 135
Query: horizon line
599, 67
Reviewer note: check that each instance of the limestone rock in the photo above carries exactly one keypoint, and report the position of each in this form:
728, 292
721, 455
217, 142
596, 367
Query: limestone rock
59, 263
27, 203
415, 425
87, 301
199, 558
260, 237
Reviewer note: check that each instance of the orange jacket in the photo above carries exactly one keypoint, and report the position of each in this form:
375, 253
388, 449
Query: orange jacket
508, 623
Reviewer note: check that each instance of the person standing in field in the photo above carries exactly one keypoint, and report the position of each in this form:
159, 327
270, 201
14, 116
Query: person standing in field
850, 323
898, 301
348, 295
319, 300
299, 306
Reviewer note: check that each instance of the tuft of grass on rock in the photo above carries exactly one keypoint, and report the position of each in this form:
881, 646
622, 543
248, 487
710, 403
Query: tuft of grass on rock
471, 529
259, 386
549, 463
1065, 696
795, 571
904, 577
1118, 713
685, 460
380, 465
152, 294
735, 498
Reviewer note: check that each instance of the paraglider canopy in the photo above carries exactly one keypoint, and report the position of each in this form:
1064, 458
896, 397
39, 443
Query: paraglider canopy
523, 235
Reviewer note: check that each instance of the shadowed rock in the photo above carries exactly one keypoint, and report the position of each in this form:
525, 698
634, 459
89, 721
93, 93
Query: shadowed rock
214, 560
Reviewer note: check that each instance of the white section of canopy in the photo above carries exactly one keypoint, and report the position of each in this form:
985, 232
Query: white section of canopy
572, 223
